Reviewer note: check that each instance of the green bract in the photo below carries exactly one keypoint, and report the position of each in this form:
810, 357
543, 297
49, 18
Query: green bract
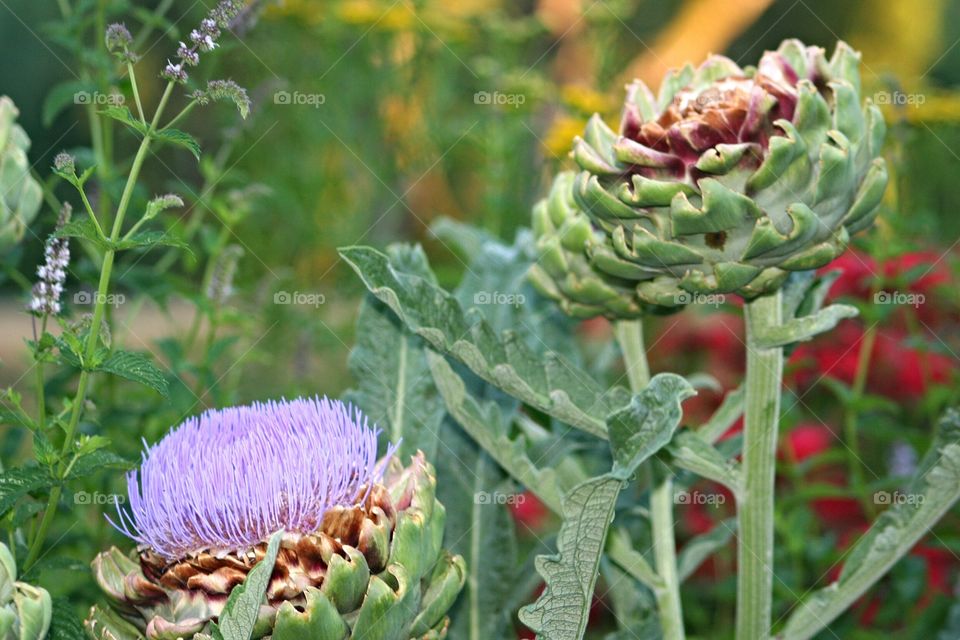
377, 571
20, 194
25, 610
724, 183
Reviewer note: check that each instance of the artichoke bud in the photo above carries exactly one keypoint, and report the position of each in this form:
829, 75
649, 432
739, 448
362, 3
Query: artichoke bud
725, 182
25, 610
361, 556
20, 195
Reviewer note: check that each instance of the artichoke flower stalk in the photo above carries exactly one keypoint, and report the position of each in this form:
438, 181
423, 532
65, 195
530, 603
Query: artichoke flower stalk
724, 183
629, 335
360, 554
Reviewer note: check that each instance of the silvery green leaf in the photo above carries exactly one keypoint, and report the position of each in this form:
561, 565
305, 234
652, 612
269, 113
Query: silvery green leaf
805, 327
150, 239
481, 529
240, 613
634, 607
636, 432
691, 452
646, 425
395, 389
549, 383
934, 489
486, 425
562, 612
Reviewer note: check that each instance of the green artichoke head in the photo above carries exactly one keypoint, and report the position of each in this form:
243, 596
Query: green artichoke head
25, 610
20, 194
725, 182
375, 571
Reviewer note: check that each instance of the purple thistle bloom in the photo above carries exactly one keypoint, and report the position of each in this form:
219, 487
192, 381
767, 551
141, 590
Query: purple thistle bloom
228, 479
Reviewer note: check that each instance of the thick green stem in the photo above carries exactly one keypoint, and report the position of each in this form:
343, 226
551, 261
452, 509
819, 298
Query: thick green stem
630, 337
106, 269
755, 504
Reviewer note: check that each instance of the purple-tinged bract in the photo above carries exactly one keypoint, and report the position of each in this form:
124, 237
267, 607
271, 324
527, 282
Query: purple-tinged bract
229, 478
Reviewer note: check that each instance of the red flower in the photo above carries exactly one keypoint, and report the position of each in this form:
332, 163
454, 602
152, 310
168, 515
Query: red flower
858, 270
528, 511
807, 440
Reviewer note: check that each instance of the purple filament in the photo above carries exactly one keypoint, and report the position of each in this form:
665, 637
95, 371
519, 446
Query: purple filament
228, 479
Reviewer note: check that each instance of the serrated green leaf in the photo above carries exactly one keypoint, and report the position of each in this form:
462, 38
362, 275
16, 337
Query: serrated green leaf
636, 432
550, 383
64, 624
82, 228
240, 613
93, 461
122, 114
562, 612
151, 239
136, 367
179, 138
18, 482
933, 490
395, 389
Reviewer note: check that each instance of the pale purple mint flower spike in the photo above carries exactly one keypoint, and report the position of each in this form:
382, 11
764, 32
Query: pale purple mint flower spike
52, 274
228, 479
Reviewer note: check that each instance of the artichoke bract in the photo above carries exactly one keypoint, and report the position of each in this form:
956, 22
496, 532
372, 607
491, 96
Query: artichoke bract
723, 183
25, 610
20, 194
361, 555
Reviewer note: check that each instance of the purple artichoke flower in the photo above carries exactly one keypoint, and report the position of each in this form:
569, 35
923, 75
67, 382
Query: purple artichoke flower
360, 534
276, 465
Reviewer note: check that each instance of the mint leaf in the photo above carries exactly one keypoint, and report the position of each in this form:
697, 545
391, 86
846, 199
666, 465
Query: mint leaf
240, 613
136, 367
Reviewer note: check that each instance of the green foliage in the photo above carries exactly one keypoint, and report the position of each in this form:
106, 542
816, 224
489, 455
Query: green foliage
242, 609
